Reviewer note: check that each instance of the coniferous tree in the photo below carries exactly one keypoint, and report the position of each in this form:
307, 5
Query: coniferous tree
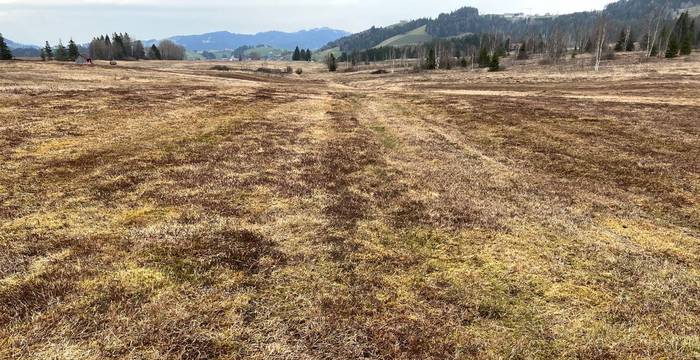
332, 66
494, 64
5, 53
73, 51
128, 46
308, 54
117, 47
672, 50
108, 47
686, 45
154, 53
430, 61
43, 55
620, 45
687, 36
48, 51
297, 54
61, 52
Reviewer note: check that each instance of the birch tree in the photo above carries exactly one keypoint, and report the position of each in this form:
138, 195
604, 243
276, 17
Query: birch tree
601, 29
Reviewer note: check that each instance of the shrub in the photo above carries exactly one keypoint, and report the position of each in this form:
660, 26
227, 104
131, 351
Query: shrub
220, 68
269, 70
672, 50
522, 55
608, 54
299, 71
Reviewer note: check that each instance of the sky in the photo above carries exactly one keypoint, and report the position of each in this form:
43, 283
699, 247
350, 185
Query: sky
35, 21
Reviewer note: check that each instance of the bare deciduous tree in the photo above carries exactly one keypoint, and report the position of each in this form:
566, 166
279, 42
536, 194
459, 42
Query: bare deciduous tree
655, 21
599, 34
556, 45
171, 51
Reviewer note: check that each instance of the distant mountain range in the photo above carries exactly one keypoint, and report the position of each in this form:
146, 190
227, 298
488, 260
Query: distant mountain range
13, 45
224, 40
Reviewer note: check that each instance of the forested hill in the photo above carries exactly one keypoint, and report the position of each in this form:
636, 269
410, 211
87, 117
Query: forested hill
375, 36
468, 20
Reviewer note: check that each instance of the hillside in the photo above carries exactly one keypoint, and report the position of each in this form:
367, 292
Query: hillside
413, 37
468, 20
224, 40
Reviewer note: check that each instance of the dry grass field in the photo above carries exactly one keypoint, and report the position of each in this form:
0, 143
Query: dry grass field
166, 210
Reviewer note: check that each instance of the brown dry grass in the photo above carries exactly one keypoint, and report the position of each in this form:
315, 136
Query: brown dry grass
166, 210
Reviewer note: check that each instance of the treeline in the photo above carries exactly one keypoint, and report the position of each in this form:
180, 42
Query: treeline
486, 50
466, 51
465, 20
60, 52
121, 47
301, 55
458, 46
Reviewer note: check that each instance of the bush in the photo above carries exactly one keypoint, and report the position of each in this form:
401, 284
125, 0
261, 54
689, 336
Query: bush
220, 68
269, 70
299, 71
289, 70
522, 55
608, 54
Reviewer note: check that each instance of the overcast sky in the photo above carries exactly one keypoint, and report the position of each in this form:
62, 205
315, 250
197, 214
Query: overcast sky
34, 21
